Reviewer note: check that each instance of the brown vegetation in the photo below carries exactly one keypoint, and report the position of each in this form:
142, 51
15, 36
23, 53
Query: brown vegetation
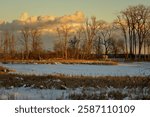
4, 70
92, 88
60, 80
62, 61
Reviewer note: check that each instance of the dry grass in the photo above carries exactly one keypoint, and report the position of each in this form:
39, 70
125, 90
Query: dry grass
131, 85
60, 80
4, 70
62, 61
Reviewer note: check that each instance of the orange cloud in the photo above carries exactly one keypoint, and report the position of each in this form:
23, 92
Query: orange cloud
43, 22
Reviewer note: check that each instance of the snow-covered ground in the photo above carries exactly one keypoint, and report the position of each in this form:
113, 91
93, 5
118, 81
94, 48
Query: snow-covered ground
26, 93
123, 69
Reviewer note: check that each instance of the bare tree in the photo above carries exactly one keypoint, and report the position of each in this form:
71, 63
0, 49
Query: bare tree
58, 48
98, 45
148, 48
6, 42
74, 47
12, 45
117, 46
64, 33
91, 29
123, 28
105, 34
138, 25
36, 41
25, 41
143, 24
1, 43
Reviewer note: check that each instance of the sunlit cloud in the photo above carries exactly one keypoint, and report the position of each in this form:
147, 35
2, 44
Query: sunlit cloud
45, 23
2, 22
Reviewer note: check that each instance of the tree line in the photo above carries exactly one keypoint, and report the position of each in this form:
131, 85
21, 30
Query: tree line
128, 36
27, 46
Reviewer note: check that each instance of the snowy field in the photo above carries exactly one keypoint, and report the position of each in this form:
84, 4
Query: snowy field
123, 69
108, 93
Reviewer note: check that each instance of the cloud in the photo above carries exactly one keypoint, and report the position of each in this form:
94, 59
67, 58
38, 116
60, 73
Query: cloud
2, 22
76, 17
47, 23
24, 16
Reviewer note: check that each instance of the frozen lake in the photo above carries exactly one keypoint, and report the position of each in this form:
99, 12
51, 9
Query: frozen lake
123, 69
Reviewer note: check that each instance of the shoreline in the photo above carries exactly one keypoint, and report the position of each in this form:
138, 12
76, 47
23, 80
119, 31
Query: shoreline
61, 61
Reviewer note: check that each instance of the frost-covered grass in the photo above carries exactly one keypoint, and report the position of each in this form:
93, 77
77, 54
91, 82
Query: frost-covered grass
108, 93
13, 86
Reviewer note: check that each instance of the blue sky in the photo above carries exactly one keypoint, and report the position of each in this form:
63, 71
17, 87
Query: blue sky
103, 9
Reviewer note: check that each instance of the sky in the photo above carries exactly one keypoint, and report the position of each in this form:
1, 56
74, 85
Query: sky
102, 9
